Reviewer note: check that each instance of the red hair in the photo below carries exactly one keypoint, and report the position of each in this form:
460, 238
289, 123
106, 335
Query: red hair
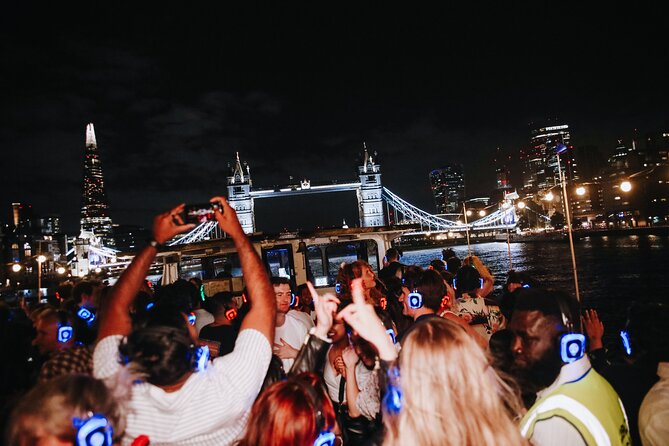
285, 414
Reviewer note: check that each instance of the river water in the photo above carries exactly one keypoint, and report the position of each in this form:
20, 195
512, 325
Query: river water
612, 270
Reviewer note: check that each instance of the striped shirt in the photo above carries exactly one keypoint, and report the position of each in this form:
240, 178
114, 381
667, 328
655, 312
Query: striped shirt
211, 408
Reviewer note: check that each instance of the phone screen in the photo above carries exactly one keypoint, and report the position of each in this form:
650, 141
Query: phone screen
199, 213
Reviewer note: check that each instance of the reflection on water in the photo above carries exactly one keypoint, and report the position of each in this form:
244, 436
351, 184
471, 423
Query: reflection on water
612, 270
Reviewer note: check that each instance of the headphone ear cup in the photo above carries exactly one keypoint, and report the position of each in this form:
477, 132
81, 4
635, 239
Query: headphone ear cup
572, 347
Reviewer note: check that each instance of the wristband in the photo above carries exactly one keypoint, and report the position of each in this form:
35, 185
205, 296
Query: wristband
154, 243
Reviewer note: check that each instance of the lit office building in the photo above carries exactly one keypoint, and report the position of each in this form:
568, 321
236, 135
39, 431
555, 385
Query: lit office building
540, 163
448, 188
94, 209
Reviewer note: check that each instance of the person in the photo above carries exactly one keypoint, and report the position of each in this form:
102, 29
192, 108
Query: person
442, 391
515, 281
574, 404
334, 368
67, 410
224, 309
56, 338
172, 403
654, 410
291, 326
295, 411
202, 316
358, 269
484, 315
305, 303
391, 265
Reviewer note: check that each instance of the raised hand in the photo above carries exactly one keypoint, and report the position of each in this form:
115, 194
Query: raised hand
326, 307
227, 218
594, 329
168, 224
362, 317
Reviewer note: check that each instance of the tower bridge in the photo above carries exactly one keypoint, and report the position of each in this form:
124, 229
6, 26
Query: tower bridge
371, 195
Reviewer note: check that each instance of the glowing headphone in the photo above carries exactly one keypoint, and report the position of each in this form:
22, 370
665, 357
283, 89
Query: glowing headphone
391, 333
192, 318
93, 431
415, 300
65, 330
338, 288
572, 344
325, 436
231, 314
87, 315
294, 300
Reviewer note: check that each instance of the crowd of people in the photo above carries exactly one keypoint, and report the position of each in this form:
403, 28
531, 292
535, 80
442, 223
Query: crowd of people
425, 356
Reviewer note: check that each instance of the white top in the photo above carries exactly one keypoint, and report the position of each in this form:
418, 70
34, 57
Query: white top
202, 318
294, 330
654, 411
304, 317
211, 408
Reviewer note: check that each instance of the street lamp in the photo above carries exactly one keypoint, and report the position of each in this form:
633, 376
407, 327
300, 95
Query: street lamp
40, 259
560, 149
549, 196
580, 191
521, 205
481, 213
60, 270
625, 186
16, 267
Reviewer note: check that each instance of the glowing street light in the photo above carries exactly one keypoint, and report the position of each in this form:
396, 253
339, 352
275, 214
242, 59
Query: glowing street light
40, 259
16, 267
468, 213
98, 270
481, 213
549, 196
580, 191
521, 205
60, 270
625, 186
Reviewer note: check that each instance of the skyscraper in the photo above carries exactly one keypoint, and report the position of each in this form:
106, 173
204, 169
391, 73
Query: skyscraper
94, 208
448, 188
540, 164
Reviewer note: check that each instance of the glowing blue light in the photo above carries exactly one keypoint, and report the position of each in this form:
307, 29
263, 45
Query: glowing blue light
560, 148
625, 336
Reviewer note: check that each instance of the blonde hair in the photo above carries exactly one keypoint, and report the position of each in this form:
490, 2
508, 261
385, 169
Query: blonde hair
49, 408
451, 396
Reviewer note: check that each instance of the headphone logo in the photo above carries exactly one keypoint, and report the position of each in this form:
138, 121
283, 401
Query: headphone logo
415, 300
93, 431
337, 287
86, 315
231, 314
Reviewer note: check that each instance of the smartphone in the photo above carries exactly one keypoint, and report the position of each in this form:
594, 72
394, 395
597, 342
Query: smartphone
200, 213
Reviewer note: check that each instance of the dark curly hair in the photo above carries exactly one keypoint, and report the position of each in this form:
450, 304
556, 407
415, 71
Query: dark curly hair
161, 349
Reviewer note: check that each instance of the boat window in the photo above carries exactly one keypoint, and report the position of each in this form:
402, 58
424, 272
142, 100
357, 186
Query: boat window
325, 260
279, 261
218, 267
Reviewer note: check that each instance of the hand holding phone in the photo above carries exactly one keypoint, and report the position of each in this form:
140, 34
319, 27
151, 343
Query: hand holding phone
200, 213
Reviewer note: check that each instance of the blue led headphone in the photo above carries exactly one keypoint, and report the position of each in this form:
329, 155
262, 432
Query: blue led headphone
415, 300
572, 344
481, 282
93, 431
87, 315
337, 287
65, 330
293, 299
392, 400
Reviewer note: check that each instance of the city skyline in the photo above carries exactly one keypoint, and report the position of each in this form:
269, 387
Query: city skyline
174, 99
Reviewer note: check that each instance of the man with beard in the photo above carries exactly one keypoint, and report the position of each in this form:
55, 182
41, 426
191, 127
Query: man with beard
574, 405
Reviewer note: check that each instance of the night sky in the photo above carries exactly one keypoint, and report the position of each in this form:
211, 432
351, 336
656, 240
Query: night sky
174, 92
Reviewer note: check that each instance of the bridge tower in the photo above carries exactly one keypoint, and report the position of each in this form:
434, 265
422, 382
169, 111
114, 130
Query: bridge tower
239, 196
370, 203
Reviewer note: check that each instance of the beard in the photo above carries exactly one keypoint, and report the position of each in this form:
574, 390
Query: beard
540, 374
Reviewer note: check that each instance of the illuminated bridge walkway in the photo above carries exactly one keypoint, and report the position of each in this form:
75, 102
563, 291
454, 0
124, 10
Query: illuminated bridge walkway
403, 212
